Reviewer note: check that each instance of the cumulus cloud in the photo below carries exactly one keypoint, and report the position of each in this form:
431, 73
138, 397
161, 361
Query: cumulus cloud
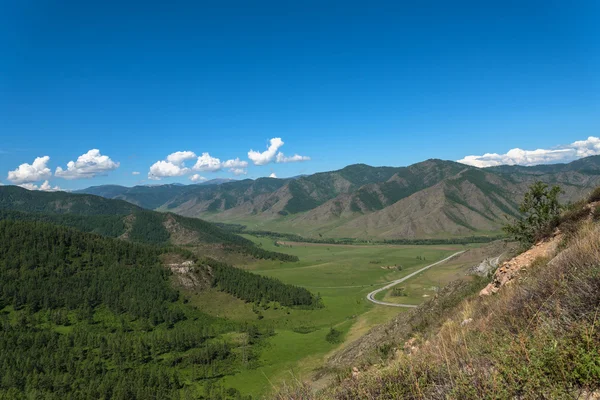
135, 173
267, 156
88, 165
165, 169
272, 175
46, 187
237, 163
207, 163
175, 165
281, 158
179, 157
272, 154
238, 171
27, 173
564, 153
197, 178
236, 166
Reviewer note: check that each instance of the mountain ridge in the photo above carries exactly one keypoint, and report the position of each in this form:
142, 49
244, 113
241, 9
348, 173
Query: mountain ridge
364, 201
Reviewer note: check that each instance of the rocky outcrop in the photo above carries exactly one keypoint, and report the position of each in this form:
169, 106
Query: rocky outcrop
510, 269
189, 276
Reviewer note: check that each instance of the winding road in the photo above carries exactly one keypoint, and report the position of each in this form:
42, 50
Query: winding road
371, 296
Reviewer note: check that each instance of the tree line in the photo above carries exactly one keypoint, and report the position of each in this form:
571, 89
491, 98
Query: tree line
256, 288
239, 229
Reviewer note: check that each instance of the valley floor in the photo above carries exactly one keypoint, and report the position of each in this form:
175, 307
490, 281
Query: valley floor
342, 275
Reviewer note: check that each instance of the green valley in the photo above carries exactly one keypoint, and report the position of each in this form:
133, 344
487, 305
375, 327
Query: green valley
141, 302
299, 200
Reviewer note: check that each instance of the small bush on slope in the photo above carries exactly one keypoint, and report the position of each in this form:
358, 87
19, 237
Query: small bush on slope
536, 339
595, 195
540, 209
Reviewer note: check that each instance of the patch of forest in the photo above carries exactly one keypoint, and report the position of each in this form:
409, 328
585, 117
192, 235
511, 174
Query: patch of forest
256, 288
86, 316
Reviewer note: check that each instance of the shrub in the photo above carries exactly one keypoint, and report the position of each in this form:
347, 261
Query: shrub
334, 336
595, 195
540, 209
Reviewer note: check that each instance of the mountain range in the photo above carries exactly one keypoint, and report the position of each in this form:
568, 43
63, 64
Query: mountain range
434, 198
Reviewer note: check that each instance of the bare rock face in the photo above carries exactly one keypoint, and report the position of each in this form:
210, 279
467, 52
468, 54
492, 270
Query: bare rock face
510, 269
486, 266
189, 275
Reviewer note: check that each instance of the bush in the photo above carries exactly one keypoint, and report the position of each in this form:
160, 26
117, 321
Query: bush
595, 195
334, 336
540, 209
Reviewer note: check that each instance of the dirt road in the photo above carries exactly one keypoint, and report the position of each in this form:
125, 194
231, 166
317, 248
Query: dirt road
371, 296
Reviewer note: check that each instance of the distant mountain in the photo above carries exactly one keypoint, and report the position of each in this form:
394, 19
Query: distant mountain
150, 197
120, 219
217, 181
428, 199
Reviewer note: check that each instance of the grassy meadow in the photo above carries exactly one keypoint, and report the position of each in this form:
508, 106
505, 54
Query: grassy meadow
342, 275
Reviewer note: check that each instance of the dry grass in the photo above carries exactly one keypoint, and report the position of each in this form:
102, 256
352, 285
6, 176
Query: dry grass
539, 338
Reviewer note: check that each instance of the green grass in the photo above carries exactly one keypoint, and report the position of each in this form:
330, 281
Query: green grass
287, 356
343, 275
426, 284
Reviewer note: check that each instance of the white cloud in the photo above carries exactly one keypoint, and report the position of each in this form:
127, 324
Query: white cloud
175, 165
237, 163
564, 153
179, 157
267, 156
27, 173
238, 171
46, 187
586, 148
236, 166
281, 158
272, 175
135, 173
207, 163
272, 154
164, 169
197, 178
88, 165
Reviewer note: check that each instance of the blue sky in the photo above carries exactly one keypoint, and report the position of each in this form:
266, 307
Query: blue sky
382, 83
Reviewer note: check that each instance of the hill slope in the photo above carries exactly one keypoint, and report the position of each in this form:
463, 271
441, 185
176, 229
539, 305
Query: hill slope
87, 316
120, 219
535, 338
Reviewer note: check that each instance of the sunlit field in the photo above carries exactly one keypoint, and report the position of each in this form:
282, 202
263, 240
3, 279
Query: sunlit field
342, 275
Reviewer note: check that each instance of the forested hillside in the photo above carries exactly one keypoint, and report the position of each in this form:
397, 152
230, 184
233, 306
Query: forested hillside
120, 219
85, 316
90, 317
